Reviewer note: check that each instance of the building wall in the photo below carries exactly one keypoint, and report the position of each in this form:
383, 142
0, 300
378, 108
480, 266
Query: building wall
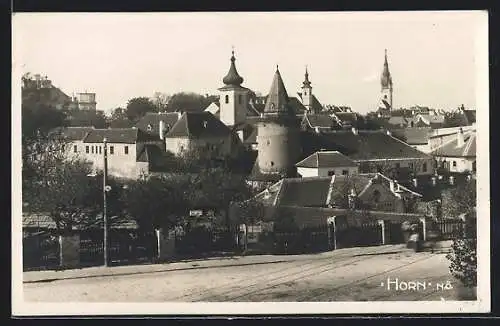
325, 172
463, 164
234, 111
119, 164
386, 201
278, 147
418, 165
307, 100
178, 145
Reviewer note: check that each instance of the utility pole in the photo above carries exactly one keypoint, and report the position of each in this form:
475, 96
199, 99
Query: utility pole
105, 189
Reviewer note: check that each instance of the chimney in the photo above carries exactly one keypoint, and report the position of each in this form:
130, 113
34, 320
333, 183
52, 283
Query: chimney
415, 183
388, 132
316, 129
452, 180
433, 181
161, 129
391, 185
240, 134
354, 130
460, 138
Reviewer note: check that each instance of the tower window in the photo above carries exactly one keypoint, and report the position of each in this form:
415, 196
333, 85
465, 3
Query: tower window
227, 99
240, 99
268, 142
272, 163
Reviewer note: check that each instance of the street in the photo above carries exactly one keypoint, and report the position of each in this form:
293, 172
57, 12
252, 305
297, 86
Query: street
380, 273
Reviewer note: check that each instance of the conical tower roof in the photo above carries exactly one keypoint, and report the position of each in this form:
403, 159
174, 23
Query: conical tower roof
277, 100
232, 78
386, 79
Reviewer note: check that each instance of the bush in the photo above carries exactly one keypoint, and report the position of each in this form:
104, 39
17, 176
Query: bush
463, 261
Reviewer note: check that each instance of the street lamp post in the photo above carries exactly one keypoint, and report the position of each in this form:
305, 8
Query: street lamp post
104, 212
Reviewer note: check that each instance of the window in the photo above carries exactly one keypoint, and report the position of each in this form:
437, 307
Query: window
92, 149
126, 150
227, 99
345, 172
111, 150
305, 92
75, 149
62, 147
268, 143
150, 127
454, 164
272, 163
100, 150
87, 149
240, 99
424, 167
331, 173
410, 166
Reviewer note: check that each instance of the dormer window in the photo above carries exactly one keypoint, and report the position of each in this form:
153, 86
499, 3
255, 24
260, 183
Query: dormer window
150, 127
204, 124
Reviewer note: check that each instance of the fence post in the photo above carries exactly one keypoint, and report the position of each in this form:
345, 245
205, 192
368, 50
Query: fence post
69, 250
382, 228
424, 228
165, 243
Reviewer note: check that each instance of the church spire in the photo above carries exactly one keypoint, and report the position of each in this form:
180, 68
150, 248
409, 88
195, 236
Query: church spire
277, 100
306, 82
232, 78
386, 79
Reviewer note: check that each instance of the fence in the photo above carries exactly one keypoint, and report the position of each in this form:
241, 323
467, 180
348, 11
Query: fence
203, 240
364, 234
40, 250
450, 229
306, 240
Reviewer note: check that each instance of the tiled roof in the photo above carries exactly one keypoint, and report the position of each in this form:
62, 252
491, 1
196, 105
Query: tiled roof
296, 106
348, 118
317, 191
320, 120
150, 123
450, 148
413, 136
277, 98
44, 221
429, 119
398, 121
366, 145
198, 125
72, 133
119, 135
326, 159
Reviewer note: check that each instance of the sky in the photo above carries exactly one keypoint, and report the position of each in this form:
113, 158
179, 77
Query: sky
433, 56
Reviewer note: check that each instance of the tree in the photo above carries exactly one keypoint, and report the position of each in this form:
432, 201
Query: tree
119, 119
84, 118
160, 100
189, 102
454, 119
156, 202
137, 107
460, 200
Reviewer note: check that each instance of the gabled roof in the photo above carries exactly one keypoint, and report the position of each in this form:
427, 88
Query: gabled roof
429, 118
413, 136
198, 125
317, 191
320, 120
72, 133
451, 149
363, 146
119, 135
150, 123
398, 121
386, 79
326, 159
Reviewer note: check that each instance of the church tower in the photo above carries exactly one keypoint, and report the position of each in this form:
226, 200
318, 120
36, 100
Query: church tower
233, 97
278, 143
386, 83
307, 98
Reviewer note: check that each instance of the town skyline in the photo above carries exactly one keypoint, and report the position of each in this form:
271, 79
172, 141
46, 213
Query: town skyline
424, 54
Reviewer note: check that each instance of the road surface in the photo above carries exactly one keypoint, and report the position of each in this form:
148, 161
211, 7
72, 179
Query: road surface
357, 274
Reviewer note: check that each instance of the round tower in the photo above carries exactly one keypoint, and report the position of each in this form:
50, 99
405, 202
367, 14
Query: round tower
278, 142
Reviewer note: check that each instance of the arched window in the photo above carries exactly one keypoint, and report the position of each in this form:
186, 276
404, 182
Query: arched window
227, 99
376, 196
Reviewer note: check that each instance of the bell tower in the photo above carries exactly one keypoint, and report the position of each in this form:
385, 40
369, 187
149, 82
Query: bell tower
307, 98
386, 86
233, 97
